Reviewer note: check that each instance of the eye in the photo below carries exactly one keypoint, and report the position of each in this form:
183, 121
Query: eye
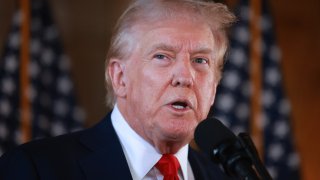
159, 56
162, 59
200, 61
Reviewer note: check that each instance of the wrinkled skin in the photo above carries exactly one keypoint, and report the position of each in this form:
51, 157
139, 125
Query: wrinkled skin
168, 83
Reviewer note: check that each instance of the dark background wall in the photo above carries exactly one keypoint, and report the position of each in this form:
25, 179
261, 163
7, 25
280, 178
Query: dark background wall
85, 27
298, 27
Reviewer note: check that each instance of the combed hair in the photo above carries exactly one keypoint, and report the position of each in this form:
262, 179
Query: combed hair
141, 12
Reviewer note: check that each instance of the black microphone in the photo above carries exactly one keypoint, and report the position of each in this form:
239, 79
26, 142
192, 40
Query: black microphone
216, 140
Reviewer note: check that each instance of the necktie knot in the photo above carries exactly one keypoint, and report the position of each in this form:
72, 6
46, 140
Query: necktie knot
168, 165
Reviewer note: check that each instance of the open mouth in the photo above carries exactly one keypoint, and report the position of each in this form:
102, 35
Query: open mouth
180, 105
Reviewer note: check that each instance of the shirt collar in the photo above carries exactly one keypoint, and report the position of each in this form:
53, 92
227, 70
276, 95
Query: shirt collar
141, 155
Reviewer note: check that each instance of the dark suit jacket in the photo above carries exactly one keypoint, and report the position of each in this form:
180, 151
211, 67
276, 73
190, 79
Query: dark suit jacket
91, 154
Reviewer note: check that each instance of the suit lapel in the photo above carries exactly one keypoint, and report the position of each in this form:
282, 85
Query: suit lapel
106, 159
197, 167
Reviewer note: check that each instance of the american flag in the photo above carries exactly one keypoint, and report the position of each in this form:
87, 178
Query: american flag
233, 99
54, 110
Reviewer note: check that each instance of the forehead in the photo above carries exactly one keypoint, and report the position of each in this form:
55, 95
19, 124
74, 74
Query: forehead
175, 34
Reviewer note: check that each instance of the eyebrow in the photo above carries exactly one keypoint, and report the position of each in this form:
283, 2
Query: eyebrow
165, 47
168, 47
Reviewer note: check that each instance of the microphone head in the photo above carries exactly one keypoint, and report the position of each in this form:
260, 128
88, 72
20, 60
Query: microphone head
224, 147
210, 133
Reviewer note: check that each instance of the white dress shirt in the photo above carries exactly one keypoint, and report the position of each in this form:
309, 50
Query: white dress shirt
142, 156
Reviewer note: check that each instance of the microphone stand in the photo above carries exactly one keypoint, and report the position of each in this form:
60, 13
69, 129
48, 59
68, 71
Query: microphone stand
252, 152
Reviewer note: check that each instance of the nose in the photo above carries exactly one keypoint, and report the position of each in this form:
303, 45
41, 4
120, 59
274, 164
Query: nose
183, 74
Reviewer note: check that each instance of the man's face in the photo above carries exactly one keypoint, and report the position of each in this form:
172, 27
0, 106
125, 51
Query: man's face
169, 82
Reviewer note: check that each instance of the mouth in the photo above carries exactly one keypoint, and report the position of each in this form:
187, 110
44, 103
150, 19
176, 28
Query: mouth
180, 105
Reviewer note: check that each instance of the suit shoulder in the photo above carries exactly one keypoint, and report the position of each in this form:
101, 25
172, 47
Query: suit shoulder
51, 148
54, 145
33, 158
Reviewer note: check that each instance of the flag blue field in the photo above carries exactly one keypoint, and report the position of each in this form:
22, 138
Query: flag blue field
54, 109
232, 105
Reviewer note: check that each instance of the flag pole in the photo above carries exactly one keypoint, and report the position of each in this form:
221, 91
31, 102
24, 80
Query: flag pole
256, 74
25, 111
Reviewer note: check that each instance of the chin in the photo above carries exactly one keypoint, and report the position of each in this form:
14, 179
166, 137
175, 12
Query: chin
172, 143
177, 135
175, 130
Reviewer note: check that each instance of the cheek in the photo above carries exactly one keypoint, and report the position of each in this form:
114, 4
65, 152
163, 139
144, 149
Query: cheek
207, 91
146, 86
155, 78
212, 94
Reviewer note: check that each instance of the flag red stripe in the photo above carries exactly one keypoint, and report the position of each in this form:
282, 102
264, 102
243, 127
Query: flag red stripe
256, 74
24, 74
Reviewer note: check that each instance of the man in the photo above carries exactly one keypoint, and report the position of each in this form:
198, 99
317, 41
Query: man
162, 70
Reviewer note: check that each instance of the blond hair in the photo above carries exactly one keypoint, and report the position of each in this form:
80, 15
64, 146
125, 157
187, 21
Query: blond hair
216, 15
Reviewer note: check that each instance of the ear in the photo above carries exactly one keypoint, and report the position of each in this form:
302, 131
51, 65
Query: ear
116, 72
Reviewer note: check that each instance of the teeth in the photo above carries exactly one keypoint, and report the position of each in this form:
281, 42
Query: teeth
178, 106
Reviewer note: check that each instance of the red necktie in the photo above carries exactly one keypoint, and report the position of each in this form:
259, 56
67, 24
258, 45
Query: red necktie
168, 165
